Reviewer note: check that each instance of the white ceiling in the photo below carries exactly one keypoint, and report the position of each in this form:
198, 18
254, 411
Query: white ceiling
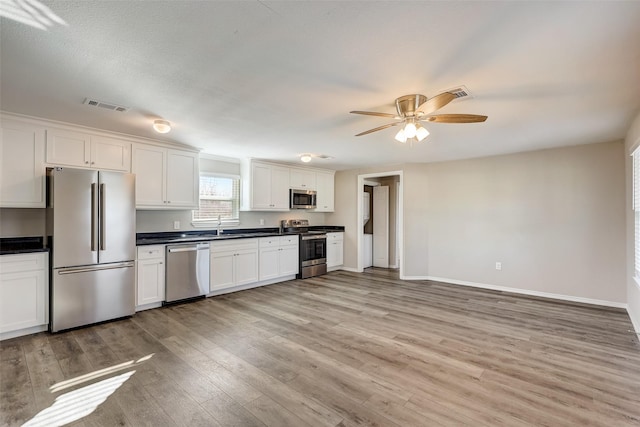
274, 79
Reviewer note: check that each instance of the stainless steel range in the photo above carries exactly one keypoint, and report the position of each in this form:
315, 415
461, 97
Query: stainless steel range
313, 247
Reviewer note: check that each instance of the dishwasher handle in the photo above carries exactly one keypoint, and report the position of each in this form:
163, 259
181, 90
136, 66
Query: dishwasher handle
189, 248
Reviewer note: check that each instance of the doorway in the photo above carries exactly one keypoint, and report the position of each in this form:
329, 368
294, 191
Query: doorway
380, 214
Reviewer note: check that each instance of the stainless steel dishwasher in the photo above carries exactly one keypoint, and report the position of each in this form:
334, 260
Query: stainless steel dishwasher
187, 271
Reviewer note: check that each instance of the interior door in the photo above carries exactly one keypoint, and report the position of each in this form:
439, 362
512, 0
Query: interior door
381, 226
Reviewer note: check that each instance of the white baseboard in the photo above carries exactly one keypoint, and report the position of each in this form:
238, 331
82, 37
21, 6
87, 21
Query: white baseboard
22, 332
251, 285
351, 269
592, 301
148, 306
635, 322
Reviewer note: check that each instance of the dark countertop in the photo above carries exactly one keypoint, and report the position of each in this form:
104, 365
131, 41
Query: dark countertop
21, 245
168, 237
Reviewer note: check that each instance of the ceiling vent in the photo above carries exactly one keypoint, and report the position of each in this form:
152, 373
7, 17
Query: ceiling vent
460, 92
106, 105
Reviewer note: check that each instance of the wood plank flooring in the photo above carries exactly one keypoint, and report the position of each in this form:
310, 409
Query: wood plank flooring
343, 349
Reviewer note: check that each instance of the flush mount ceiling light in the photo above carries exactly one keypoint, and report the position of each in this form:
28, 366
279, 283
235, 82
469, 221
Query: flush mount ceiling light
307, 157
161, 126
413, 109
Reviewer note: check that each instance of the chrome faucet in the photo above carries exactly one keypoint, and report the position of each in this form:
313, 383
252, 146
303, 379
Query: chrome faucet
219, 231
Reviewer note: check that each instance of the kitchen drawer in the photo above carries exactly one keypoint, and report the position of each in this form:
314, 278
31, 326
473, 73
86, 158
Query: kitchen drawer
335, 237
288, 240
233, 244
269, 242
22, 262
150, 252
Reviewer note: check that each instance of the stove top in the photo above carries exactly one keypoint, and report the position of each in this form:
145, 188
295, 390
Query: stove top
298, 226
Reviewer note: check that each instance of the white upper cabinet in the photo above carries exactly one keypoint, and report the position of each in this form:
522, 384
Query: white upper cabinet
149, 164
110, 153
165, 178
325, 191
302, 179
22, 169
183, 179
70, 148
265, 187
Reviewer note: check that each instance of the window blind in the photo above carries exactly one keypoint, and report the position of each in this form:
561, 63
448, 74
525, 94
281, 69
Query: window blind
219, 196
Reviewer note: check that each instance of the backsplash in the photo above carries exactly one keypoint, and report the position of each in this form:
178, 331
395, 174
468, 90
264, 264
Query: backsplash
32, 222
22, 222
148, 221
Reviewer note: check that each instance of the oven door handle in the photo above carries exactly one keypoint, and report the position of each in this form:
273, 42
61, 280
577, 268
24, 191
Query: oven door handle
313, 237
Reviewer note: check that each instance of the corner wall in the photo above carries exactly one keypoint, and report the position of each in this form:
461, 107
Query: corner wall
553, 218
346, 208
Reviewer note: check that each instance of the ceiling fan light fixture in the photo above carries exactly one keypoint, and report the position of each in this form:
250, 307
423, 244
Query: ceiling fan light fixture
401, 136
305, 158
421, 133
410, 130
161, 126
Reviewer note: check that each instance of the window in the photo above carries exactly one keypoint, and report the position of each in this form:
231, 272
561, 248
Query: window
636, 208
219, 195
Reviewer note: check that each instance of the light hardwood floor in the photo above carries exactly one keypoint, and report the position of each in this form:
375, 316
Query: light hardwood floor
343, 349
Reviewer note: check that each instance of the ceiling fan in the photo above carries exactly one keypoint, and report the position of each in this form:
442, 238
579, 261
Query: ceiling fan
413, 109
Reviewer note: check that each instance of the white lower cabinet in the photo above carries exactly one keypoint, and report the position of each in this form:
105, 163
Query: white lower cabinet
150, 280
24, 293
335, 250
278, 256
233, 263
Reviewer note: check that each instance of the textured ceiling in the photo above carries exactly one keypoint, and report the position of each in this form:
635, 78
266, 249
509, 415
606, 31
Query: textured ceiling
274, 79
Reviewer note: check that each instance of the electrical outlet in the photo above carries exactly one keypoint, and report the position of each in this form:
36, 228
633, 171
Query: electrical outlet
176, 225
498, 266
261, 221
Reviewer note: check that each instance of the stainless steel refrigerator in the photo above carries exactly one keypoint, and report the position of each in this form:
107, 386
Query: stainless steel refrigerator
91, 223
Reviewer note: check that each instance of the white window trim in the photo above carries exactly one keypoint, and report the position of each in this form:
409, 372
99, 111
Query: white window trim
207, 223
635, 203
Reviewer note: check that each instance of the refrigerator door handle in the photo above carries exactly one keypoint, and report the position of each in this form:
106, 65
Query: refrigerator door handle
73, 270
94, 219
103, 219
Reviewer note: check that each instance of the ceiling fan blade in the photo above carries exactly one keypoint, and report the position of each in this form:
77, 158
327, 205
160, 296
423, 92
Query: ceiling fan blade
455, 118
435, 103
373, 113
378, 128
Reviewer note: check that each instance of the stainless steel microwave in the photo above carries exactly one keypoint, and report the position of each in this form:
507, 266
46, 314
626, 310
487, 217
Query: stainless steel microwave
302, 199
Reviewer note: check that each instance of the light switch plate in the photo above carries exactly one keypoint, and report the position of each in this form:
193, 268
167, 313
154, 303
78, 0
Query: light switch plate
176, 225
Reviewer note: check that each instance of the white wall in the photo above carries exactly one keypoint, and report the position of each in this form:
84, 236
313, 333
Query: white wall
22, 222
346, 206
633, 288
553, 218
160, 220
